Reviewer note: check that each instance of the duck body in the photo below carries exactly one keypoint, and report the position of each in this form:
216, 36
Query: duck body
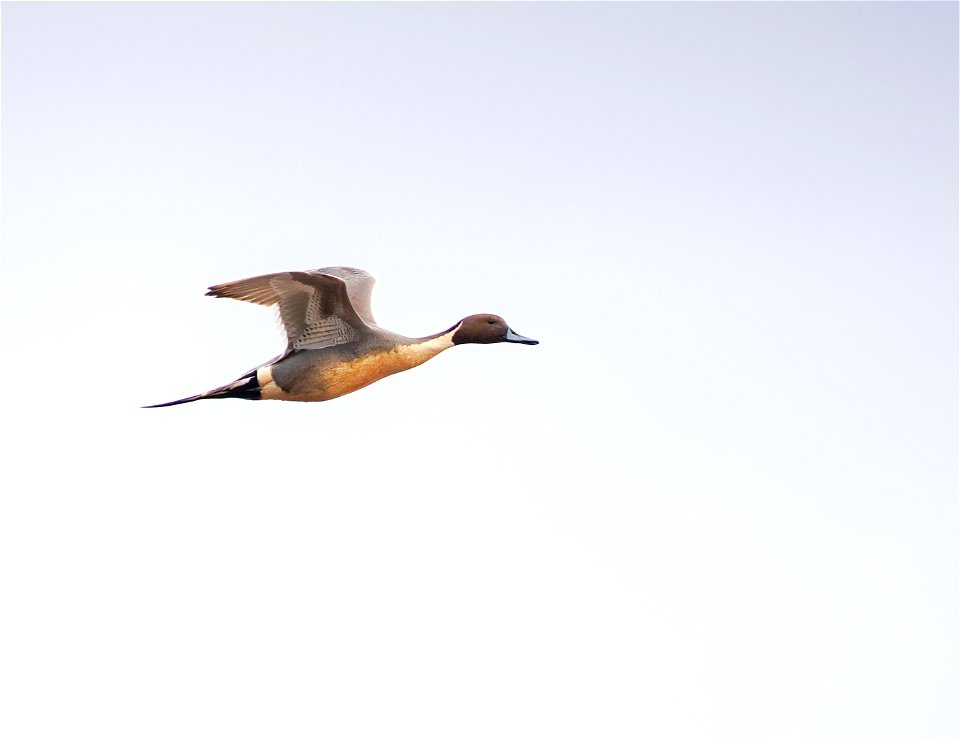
319, 375
334, 346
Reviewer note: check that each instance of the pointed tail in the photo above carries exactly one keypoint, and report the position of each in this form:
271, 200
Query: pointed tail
194, 398
246, 387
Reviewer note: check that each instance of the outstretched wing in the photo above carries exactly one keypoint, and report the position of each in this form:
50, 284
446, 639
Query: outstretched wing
318, 308
359, 289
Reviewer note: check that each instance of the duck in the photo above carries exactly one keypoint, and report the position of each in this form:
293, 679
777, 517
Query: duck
334, 345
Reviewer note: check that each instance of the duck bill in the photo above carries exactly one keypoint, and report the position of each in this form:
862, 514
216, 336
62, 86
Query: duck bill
512, 337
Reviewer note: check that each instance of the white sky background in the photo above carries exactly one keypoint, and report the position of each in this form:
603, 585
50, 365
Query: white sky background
718, 502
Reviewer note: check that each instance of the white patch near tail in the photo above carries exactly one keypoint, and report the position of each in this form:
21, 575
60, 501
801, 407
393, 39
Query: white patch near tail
268, 387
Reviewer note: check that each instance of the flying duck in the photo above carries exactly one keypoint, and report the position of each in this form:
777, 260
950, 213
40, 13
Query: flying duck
334, 346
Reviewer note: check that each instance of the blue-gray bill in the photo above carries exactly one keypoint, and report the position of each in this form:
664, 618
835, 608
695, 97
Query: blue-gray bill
512, 337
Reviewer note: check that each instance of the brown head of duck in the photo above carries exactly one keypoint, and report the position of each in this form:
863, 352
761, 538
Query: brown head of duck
488, 328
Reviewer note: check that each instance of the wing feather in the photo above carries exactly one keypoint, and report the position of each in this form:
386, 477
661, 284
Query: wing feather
318, 309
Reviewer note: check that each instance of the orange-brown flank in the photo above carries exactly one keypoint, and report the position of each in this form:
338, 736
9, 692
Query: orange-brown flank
328, 382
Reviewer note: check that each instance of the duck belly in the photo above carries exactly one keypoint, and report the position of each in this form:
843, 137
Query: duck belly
320, 381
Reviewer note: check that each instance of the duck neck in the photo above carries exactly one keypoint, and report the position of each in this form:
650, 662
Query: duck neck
420, 350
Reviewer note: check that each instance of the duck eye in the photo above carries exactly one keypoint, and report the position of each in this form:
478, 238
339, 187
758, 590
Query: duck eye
491, 322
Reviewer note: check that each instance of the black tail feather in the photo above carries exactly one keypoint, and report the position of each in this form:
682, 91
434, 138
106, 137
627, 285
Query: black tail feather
194, 398
246, 387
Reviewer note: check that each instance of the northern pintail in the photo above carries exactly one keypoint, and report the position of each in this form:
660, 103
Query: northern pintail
334, 346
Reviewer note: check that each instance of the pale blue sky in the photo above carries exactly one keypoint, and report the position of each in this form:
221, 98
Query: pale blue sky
718, 502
